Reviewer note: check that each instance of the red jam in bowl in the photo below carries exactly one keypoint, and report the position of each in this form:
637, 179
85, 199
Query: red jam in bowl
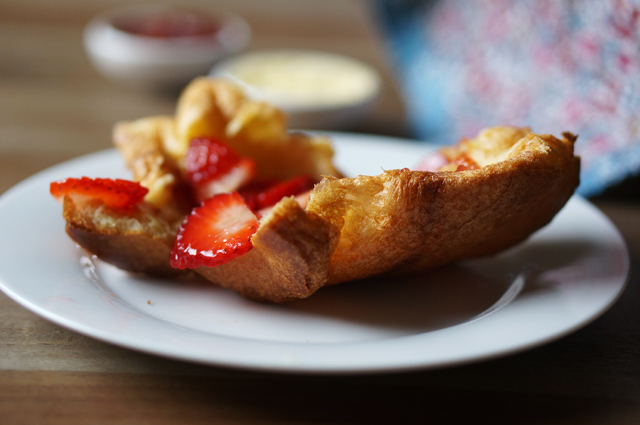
168, 24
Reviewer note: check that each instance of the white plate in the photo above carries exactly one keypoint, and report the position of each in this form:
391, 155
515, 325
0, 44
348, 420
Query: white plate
558, 281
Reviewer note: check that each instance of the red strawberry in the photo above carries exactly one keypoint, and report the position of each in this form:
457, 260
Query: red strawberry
214, 233
302, 199
238, 176
465, 163
119, 194
250, 192
259, 198
213, 167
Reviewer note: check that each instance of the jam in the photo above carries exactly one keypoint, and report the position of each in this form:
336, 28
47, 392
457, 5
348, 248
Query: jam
169, 24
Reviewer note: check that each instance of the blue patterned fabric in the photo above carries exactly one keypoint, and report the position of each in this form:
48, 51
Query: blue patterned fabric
552, 65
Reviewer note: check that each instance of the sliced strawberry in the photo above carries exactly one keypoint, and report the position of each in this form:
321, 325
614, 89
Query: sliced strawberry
213, 167
208, 158
119, 194
302, 199
432, 162
238, 176
214, 233
289, 187
465, 163
270, 195
250, 192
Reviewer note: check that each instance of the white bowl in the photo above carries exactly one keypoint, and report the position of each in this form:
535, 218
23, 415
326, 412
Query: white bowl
139, 59
317, 90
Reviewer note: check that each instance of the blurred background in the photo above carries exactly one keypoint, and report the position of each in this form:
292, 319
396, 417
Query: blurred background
66, 75
54, 105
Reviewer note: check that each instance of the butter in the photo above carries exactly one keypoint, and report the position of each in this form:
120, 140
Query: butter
302, 79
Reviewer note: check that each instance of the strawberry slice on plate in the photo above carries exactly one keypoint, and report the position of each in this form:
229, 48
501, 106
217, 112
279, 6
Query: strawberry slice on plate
114, 193
214, 233
212, 167
262, 196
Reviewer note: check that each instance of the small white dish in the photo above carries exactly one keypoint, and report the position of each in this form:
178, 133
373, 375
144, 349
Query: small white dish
559, 280
317, 90
150, 45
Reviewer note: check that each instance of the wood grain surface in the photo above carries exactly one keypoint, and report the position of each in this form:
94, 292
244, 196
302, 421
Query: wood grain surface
54, 106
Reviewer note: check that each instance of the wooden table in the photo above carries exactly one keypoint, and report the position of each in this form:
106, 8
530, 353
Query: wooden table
53, 107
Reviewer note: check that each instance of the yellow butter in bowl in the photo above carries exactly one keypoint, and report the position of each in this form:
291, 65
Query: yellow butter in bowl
317, 90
